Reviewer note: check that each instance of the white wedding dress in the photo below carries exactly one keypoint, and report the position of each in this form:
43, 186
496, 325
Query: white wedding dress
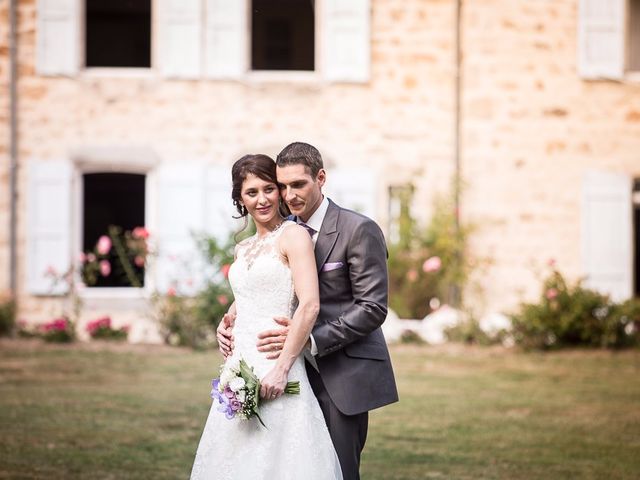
295, 443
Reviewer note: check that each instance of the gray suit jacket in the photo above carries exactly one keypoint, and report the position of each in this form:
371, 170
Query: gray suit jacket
352, 358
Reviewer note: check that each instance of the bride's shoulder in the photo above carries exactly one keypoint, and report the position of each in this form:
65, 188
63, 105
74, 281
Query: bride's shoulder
292, 232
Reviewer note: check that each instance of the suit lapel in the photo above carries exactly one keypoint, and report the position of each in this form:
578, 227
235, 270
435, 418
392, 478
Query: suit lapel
327, 235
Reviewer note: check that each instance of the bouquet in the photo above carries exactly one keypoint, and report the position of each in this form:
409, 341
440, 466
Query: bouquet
238, 390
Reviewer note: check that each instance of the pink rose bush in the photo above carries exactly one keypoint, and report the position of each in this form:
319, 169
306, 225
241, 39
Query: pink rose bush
101, 328
60, 330
120, 257
567, 314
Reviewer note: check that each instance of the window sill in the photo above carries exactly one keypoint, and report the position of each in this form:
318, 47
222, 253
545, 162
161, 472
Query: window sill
118, 72
283, 76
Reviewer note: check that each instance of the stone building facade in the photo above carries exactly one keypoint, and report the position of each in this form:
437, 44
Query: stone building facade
549, 127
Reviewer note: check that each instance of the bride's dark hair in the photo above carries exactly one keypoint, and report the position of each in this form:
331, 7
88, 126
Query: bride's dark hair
260, 165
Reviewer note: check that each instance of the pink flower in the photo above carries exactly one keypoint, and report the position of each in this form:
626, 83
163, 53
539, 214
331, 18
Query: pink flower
59, 324
412, 275
225, 270
51, 271
551, 293
104, 245
171, 292
105, 268
223, 300
139, 261
82, 257
551, 262
432, 264
140, 232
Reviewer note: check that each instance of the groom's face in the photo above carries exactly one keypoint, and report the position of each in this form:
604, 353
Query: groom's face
300, 190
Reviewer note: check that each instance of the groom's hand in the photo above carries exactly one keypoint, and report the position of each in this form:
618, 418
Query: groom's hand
271, 341
224, 334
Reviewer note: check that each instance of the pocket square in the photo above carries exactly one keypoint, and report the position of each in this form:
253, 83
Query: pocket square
327, 267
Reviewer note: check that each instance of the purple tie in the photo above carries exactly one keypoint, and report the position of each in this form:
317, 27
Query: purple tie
308, 229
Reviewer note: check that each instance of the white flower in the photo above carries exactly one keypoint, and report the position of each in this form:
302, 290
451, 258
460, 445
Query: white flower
236, 384
226, 376
241, 396
233, 364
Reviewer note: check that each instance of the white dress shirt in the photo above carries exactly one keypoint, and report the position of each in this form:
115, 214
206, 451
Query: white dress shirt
315, 222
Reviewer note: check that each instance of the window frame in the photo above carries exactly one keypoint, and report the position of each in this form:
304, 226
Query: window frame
113, 160
301, 76
118, 72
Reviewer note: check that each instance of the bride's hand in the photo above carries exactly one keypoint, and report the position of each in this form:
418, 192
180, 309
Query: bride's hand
273, 384
225, 335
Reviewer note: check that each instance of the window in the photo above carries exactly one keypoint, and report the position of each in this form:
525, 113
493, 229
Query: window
282, 35
195, 39
636, 236
113, 199
634, 36
118, 33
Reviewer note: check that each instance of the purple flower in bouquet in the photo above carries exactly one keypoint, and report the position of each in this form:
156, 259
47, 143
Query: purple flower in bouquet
215, 391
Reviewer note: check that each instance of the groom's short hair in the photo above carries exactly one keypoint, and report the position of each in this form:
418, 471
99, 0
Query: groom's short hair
300, 153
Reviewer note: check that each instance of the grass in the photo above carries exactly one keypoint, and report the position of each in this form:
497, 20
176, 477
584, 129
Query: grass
117, 412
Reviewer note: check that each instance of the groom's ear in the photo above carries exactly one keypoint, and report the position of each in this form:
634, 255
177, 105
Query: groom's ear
321, 177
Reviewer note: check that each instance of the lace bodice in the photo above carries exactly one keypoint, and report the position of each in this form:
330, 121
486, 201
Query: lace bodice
263, 289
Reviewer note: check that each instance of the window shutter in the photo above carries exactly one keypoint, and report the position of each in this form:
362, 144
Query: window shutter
219, 207
181, 38
358, 196
49, 226
346, 40
601, 39
180, 215
607, 233
226, 34
58, 39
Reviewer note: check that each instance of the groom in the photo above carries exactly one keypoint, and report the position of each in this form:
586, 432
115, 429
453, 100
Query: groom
348, 362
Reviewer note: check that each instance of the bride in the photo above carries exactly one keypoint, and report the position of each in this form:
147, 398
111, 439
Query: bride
274, 275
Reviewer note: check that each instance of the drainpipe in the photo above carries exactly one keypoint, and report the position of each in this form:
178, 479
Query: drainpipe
457, 178
13, 143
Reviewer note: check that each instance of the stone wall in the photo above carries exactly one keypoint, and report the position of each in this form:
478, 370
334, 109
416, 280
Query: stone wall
400, 123
531, 126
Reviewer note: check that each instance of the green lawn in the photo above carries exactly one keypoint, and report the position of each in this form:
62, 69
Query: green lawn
101, 411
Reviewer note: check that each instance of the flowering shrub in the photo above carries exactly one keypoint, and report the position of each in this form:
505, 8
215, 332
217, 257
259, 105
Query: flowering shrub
101, 328
571, 315
60, 330
192, 321
426, 264
117, 259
